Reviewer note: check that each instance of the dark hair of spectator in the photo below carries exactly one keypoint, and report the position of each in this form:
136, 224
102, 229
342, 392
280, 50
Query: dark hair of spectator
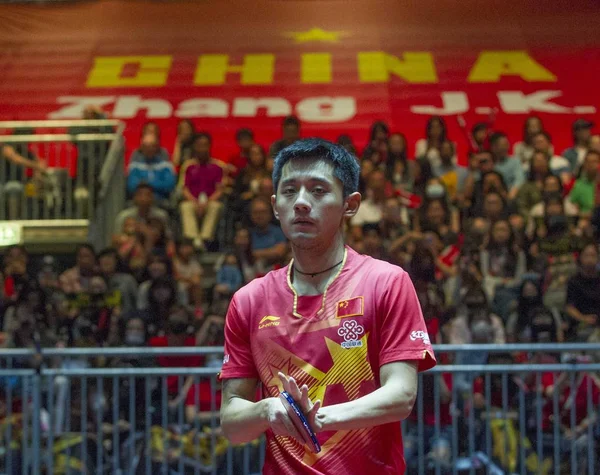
531, 175
368, 227
144, 186
159, 256
511, 240
495, 173
200, 135
378, 126
149, 124
244, 134
497, 136
527, 138
345, 141
161, 243
422, 264
425, 207
585, 245
588, 153
10, 248
429, 126
345, 166
33, 287
154, 304
392, 159
545, 134
112, 252
478, 127
552, 176
291, 120
87, 246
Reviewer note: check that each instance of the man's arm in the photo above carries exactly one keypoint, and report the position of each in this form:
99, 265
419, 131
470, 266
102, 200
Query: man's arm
11, 155
392, 402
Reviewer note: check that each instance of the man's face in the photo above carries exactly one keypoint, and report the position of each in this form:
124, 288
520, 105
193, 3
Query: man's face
591, 163
201, 148
310, 203
492, 205
377, 182
583, 135
486, 163
551, 185
245, 142
149, 146
501, 147
589, 258
143, 198
108, 264
291, 133
541, 143
446, 151
85, 259
260, 214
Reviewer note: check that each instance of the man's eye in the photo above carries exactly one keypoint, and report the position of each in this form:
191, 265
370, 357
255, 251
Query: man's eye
319, 191
288, 191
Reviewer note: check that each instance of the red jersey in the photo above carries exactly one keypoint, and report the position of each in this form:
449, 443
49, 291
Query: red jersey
335, 343
190, 361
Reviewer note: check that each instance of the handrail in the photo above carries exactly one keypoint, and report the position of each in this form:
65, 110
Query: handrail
57, 138
14, 124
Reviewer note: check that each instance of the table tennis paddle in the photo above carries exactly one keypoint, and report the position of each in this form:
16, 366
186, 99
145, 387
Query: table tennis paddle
300, 422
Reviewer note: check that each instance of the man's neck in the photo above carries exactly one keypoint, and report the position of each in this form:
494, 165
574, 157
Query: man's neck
315, 261
144, 211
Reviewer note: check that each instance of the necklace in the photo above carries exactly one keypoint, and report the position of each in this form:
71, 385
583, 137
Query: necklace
312, 274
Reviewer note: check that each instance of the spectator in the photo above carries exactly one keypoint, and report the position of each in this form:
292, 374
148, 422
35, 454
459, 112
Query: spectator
510, 168
157, 237
371, 208
130, 244
202, 192
242, 249
142, 210
377, 148
372, 242
436, 216
583, 193
160, 269
269, 245
77, 279
530, 193
152, 169
481, 135
346, 142
552, 187
248, 181
124, 284
397, 169
582, 132
531, 321
583, 294
523, 150
394, 221
182, 150
290, 131
451, 175
494, 207
366, 167
229, 277
100, 313
429, 147
244, 139
502, 266
595, 142
188, 273
479, 165
542, 142
15, 272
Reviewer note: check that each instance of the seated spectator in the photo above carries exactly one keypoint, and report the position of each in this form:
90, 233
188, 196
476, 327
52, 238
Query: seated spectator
248, 181
188, 273
31, 304
371, 208
157, 237
244, 139
142, 210
346, 142
366, 167
480, 134
152, 169
583, 295
394, 221
182, 150
151, 128
290, 133
124, 284
479, 165
229, 277
202, 192
397, 169
583, 193
503, 264
582, 132
160, 268
242, 248
77, 279
530, 193
15, 272
372, 242
531, 321
559, 166
130, 244
100, 312
377, 147
523, 150
494, 207
552, 187
269, 245
436, 215
510, 168
429, 147
451, 175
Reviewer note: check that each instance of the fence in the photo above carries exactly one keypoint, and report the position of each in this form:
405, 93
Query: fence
83, 178
114, 411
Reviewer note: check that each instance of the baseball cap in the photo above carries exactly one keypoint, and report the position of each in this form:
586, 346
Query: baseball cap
582, 124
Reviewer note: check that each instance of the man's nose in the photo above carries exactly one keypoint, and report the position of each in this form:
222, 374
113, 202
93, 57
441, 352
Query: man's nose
302, 201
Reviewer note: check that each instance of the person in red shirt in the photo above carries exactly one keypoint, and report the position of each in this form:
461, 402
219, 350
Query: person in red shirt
342, 332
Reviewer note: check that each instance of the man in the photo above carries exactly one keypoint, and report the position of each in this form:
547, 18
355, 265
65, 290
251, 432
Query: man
122, 286
344, 332
582, 133
584, 191
154, 170
269, 245
143, 209
202, 192
244, 139
510, 168
291, 133
451, 175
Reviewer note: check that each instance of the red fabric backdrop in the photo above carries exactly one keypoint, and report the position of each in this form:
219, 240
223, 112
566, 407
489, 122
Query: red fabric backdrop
328, 58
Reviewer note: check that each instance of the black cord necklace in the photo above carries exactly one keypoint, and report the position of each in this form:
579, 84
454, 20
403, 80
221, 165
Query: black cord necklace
312, 274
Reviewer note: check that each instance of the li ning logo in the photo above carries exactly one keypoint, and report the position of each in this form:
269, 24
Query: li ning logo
350, 331
268, 321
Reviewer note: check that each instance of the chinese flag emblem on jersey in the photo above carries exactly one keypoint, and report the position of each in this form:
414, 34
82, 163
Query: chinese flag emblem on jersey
353, 307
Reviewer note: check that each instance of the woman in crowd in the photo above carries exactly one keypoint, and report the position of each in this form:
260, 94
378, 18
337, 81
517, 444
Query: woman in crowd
524, 150
182, 150
530, 192
429, 147
377, 148
160, 268
398, 171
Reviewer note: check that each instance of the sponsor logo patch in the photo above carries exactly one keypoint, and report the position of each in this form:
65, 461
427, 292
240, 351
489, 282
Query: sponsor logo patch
420, 335
351, 331
268, 321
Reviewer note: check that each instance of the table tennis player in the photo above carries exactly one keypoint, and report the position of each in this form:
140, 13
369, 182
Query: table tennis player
341, 332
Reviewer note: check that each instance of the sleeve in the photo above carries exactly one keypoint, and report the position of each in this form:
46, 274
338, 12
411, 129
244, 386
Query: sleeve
134, 178
402, 331
165, 179
238, 361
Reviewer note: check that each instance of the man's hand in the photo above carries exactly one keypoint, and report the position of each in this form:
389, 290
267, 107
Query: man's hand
300, 395
279, 420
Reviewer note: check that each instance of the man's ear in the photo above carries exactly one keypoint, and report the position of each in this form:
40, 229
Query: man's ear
273, 198
352, 204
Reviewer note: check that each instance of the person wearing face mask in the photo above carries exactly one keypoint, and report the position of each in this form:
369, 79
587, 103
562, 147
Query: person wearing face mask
160, 267
583, 294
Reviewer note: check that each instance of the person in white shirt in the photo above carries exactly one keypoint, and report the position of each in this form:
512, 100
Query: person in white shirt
542, 142
524, 150
435, 136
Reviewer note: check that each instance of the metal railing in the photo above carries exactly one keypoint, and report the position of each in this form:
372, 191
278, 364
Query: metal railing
84, 159
97, 410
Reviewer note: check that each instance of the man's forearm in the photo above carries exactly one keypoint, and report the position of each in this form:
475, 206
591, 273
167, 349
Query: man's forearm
244, 421
390, 403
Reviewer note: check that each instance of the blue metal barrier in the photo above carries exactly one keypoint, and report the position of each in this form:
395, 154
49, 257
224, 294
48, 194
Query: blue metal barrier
112, 410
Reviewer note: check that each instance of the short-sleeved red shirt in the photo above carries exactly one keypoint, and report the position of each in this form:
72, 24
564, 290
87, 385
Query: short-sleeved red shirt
335, 343
190, 361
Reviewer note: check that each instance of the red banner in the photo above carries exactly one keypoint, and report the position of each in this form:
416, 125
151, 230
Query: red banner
339, 66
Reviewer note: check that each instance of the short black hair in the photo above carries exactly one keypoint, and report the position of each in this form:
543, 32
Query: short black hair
143, 186
479, 126
85, 245
545, 134
345, 166
200, 135
109, 251
497, 136
244, 134
291, 120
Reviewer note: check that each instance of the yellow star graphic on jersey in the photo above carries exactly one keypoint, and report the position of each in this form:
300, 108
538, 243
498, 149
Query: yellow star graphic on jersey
316, 34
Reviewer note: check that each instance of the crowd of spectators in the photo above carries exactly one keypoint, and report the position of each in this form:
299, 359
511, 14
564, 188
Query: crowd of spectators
504, 249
